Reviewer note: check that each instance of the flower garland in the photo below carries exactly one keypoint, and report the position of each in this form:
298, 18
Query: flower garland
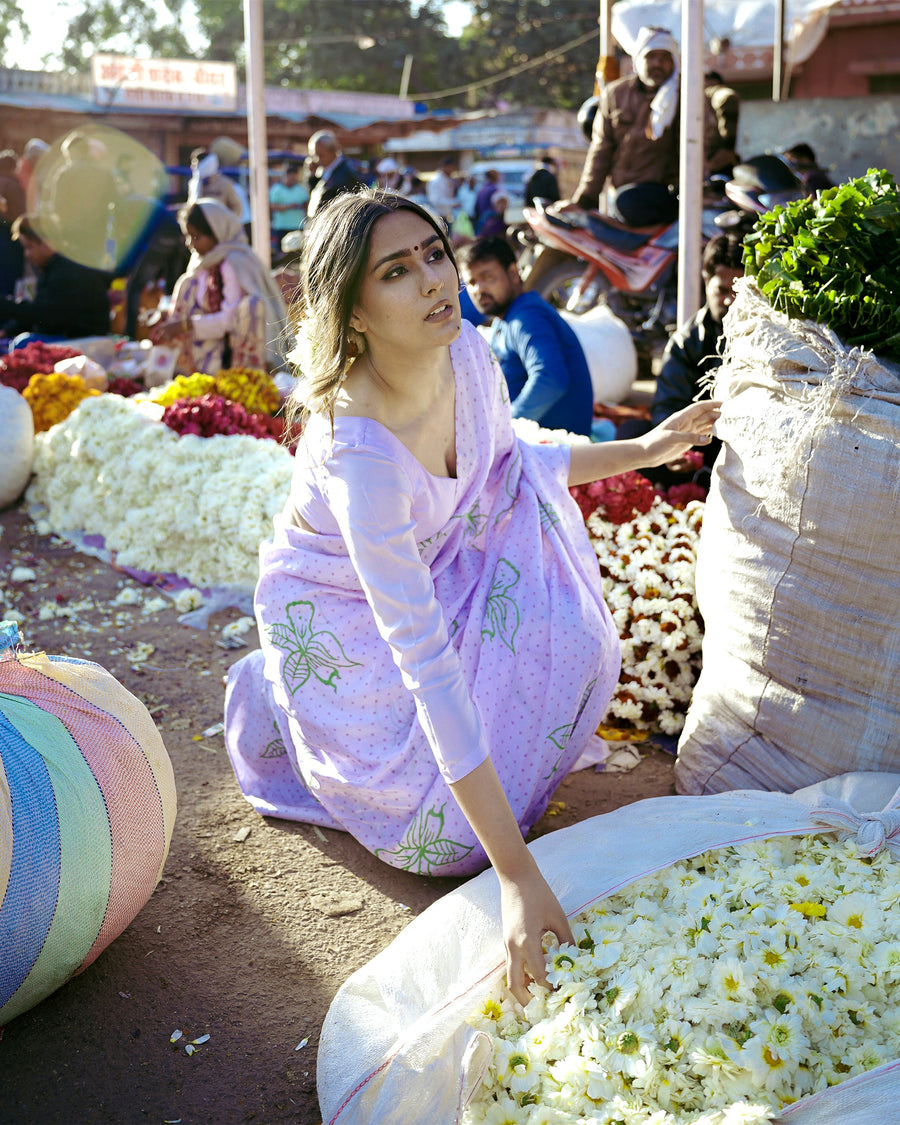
213, 414
35, 358
197, 507
718, 990
254, 390
52, 397
648, 566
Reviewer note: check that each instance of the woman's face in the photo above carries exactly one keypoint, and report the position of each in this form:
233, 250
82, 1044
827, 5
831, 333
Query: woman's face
409, 299
200, 243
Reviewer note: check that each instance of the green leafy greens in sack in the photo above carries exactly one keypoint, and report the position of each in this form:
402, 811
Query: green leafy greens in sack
835, 259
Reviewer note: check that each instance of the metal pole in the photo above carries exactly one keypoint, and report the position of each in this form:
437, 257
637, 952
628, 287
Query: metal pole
256, 128
404, 77
778, 53
691, 160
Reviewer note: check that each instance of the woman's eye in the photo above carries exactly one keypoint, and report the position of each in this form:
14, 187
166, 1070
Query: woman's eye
394, 271
437, 255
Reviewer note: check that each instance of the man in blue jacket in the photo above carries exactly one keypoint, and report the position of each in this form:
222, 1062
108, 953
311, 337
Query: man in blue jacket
546, 372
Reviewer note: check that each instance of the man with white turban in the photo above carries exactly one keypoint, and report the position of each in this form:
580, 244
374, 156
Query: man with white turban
634, 143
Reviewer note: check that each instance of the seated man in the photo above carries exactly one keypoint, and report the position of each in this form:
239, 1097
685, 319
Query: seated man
692, 353
546, 372
70, 301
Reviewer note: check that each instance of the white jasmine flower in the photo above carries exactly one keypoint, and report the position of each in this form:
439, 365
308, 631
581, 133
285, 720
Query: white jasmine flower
154, 605
187, 599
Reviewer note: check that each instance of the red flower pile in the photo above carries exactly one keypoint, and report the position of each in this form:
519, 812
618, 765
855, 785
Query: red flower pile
34, 359
618, 498
120, 385
209, 415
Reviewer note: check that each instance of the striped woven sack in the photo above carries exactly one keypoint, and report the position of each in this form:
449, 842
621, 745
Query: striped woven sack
87, 807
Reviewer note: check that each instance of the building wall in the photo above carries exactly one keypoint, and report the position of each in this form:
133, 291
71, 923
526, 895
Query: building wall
847, 56
848, 135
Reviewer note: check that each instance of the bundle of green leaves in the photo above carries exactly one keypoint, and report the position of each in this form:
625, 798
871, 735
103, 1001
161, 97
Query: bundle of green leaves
835, 259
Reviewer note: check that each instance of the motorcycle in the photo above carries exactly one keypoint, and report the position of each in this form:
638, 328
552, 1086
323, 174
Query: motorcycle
579, 259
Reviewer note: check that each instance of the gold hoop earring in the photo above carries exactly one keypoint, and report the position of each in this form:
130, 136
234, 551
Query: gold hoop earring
356, 343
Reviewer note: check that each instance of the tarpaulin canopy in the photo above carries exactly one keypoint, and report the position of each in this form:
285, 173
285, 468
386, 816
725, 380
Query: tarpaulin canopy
742, 23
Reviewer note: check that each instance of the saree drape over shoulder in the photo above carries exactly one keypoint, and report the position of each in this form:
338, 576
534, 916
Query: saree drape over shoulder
486, 635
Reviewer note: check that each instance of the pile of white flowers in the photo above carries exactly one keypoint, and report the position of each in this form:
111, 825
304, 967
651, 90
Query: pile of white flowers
192, 506
648, 567
718, 990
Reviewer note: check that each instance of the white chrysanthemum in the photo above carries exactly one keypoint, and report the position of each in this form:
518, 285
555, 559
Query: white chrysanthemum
856, 912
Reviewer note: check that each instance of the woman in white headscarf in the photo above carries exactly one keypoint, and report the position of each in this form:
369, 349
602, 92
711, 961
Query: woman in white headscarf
227, 310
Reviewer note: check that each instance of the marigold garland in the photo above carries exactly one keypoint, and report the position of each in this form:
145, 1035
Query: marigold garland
52, 397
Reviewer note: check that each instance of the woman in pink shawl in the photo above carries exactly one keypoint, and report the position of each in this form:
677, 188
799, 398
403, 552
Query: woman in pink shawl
227, 310
435, 648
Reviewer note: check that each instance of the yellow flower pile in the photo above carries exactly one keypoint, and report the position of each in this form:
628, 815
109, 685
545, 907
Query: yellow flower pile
185, 386
53, 397
254, 390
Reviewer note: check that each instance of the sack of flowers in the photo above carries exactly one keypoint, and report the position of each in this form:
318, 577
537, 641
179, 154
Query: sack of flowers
87, 807
16, 445
737, 960
796, 570
742, 958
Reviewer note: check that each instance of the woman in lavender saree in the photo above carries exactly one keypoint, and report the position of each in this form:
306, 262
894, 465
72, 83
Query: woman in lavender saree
436, 652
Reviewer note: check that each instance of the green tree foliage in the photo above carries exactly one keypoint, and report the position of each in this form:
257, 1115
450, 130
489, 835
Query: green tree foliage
11, 16
126, 27
504, 35
340, 44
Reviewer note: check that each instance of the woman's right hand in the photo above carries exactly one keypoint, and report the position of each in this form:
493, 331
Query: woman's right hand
529, 910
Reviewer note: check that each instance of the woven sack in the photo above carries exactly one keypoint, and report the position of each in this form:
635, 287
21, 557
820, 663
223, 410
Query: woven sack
87, 807
16, 445
797, 563
395, 1047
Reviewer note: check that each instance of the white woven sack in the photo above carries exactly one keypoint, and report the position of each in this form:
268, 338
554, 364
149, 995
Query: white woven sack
16, 445
797, 564
395, 1047
609, 350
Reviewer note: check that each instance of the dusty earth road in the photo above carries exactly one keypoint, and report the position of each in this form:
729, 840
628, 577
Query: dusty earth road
255, 924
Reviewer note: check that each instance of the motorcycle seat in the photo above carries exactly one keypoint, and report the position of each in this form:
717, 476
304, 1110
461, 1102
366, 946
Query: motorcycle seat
617, 236
624, 239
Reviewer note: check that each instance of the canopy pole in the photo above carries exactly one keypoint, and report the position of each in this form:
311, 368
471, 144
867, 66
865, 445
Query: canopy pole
778, 53
256, 129
691, 160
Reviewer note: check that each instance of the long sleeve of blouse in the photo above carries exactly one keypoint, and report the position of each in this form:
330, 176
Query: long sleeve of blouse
371, 499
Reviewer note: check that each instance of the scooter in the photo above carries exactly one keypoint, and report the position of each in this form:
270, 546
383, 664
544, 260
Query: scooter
585, 258
581, 258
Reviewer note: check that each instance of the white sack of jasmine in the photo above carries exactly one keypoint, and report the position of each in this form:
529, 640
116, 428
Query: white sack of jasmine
396, 1045
196, 507
721, 989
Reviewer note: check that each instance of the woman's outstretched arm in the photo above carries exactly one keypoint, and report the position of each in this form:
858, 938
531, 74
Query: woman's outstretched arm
530, 909
667, 441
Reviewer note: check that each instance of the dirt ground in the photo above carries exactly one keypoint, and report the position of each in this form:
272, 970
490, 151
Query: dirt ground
255, 923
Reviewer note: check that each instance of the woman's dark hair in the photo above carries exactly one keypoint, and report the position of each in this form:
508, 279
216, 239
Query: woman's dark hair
194, 218
332, 269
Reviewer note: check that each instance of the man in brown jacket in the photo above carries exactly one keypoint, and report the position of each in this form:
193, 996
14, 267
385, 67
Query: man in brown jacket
635, 138
634, 145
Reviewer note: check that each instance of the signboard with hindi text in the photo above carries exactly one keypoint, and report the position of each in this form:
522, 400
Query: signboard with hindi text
163, 83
